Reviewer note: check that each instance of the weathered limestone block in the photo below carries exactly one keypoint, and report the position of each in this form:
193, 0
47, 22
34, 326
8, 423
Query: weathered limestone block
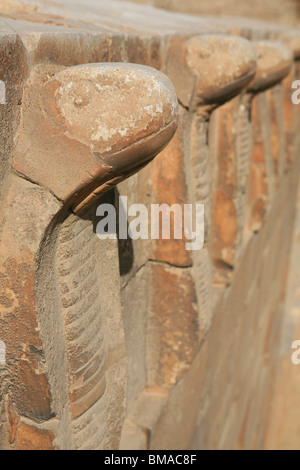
82, 130
170, 186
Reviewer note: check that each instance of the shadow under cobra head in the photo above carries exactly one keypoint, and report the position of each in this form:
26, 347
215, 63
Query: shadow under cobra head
86, 128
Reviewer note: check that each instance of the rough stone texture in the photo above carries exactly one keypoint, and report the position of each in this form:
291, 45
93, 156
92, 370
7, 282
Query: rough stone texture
65, 365
283, 428
177, 349
286, 12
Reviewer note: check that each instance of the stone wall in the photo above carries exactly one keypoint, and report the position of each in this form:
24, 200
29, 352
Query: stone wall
141, 344
286, 11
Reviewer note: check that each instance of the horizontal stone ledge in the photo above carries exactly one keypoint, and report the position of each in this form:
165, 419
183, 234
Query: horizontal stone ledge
143, 20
